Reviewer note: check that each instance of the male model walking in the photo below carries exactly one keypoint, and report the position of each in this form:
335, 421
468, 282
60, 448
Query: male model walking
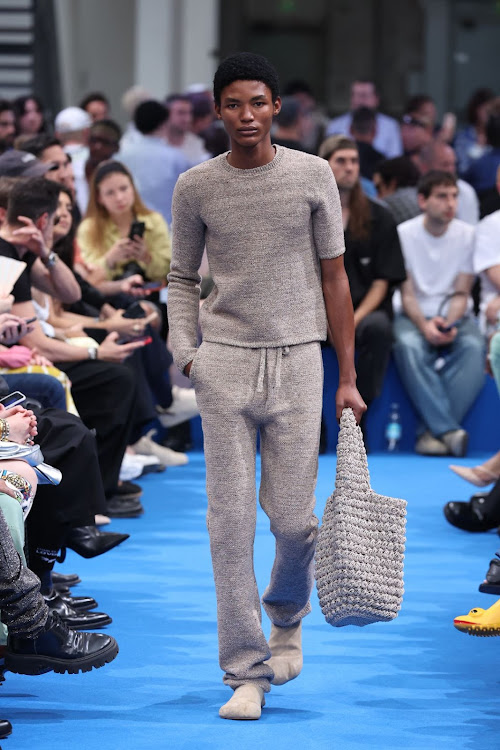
271, 221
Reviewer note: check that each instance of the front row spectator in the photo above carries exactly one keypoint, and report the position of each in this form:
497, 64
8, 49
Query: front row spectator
439, 349
373, 263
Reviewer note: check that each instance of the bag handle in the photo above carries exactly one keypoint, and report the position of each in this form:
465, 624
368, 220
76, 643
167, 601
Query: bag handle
352, 463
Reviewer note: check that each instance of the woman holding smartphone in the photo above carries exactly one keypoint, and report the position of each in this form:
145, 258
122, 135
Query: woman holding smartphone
119, 234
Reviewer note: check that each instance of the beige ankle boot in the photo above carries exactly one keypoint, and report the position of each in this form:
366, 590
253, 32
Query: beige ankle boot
286, 653
245, 705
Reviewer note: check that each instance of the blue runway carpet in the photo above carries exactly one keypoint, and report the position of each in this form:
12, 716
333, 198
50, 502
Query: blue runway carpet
412, 683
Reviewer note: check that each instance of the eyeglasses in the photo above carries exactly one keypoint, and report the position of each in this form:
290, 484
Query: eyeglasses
410, 120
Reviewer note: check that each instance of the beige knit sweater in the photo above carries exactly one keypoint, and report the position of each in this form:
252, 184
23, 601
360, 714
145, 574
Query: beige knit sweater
265, 231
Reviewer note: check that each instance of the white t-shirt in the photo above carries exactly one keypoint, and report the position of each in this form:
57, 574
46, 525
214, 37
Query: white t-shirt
486, 255
435, 262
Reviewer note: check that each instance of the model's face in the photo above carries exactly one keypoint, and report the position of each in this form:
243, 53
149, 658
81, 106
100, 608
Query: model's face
363, 95
7, 127
180, 116
64, 217
116, 194
59, 160
441, 205
445, 159
247, 110
31, 121
97, 110
344, 164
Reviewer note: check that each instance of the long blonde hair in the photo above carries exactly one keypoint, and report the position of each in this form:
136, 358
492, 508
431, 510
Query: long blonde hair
96, 211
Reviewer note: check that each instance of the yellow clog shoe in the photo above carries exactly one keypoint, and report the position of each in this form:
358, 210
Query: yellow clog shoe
481, 622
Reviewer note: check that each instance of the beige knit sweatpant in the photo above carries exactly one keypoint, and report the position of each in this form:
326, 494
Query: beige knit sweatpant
278, 393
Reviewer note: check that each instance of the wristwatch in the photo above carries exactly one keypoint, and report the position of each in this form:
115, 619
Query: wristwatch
50, 260
92, 350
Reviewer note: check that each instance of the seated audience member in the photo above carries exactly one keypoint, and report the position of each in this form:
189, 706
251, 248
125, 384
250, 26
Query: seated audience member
482, 172
96, 105
155, 396
48, 150
387, 138
440, 156
438, 348
396, 181
39, 641
179, 129
363, 129
316, 120
373, 263
154, 164
131, 99
72, 128
104, 142
415, 134
289, 121
423, 108
482, 511
28, 111
203, 111
470, 142
7, 125
104, 235
103, 390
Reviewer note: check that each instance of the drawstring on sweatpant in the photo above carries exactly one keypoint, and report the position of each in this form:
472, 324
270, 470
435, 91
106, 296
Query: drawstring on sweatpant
280, 352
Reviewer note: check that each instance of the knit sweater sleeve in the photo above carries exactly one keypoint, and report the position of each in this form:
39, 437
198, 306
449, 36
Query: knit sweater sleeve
327, 218
188, 243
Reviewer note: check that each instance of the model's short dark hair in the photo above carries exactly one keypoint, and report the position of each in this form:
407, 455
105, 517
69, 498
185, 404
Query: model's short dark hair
39, 143
32, 197
290, 112
93, 96
435, 178
364, 120
149, 116
401, 169
246, 66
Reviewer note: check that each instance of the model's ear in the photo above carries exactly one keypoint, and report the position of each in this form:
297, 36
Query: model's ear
217, 111
277, 105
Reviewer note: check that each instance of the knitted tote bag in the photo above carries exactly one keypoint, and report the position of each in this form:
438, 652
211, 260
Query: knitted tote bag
361, 541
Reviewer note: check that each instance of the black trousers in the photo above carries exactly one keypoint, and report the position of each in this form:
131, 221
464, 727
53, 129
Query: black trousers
373, 350
104, 394
67, 444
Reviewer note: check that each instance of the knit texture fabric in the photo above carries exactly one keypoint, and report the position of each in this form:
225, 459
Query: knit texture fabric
361, 542
266, 230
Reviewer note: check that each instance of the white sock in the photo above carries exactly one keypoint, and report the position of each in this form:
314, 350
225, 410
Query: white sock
246, 703
286, 653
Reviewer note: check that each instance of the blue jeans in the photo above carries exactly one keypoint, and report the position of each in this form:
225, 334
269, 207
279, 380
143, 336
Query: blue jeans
43, 388
442, 398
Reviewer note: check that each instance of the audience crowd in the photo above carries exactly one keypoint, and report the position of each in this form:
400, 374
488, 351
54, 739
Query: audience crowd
85, 213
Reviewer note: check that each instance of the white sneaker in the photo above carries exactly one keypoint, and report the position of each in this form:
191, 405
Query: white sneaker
182, 408
167, 456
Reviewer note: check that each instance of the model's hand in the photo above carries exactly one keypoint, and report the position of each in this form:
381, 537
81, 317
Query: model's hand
187, 368
348, 396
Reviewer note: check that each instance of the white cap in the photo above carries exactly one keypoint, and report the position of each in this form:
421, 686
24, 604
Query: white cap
71, 119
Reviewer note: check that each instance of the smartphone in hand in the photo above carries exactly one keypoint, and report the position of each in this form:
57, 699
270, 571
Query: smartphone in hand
137, 229
13, 399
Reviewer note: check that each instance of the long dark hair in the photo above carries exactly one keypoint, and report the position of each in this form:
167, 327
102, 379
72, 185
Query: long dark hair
65, 246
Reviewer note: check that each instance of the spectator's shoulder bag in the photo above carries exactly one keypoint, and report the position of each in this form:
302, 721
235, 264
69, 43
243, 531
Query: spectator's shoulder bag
360, 551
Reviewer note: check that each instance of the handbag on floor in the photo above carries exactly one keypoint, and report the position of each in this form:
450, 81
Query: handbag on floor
361, 541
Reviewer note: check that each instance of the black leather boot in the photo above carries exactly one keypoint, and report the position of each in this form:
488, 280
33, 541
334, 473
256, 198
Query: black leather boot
471, 516
78, 603
72, 618
89, 541
59, 649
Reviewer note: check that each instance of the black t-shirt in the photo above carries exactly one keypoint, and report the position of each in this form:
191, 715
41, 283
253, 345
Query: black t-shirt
377, 257
22, 287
